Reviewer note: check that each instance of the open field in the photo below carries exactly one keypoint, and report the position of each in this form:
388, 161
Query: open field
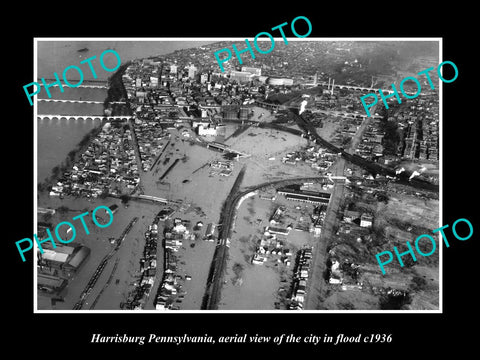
414, 286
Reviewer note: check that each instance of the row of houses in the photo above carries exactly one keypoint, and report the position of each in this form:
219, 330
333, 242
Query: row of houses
371, 145
148, 269
299, 283
418, 122
171, 290
151, 136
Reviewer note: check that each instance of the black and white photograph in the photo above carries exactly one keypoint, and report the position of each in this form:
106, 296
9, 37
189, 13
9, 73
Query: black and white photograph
235, 180
262, 186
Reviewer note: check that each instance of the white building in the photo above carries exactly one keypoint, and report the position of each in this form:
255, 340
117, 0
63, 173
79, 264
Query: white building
192, 70
252, 70
280, 81
153, 81
203, 78
366, 220
241, 76
207, 130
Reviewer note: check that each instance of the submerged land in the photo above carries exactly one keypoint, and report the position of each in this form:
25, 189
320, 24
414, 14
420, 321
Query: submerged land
229, 194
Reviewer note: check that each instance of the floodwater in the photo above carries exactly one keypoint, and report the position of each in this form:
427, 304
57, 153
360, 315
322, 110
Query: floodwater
256, 287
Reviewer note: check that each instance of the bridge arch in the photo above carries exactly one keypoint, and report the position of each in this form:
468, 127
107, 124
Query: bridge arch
82, 117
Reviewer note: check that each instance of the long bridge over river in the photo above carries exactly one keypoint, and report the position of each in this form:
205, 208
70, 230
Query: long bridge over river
91, 84
79, 101
82, 117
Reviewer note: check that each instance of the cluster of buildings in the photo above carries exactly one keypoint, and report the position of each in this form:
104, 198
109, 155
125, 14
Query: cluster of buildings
419, 119
182, 92
363, 219
326, 100
150, 137
298, 59
170, 290
108, 165
303, 193
318, 218
154, 108
148, 269
270, 245
346, 130
222, 167
299, 283
346, 274
185, 86
371, 146
318, 157
341, 269
165, 94
57, 265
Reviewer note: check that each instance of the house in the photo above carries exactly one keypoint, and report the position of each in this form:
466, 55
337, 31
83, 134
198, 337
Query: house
275, 219
350, 216
366, 220
336, 275
179, 228
258, 259
225, 172
209, 232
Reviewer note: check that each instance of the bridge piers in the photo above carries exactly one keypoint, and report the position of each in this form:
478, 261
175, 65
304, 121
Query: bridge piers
82, 117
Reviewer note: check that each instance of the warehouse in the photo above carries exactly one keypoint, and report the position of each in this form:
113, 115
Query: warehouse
65, 258
314, 197
50, 284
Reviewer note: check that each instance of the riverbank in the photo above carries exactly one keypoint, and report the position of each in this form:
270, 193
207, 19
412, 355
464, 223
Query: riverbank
116, 93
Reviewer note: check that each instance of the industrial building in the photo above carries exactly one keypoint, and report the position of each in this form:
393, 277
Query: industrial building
67, 259
252, 70
277, 230
241, 76
50, 284
314, 197
279, 81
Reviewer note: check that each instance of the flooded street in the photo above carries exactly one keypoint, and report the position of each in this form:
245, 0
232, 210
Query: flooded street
249, 286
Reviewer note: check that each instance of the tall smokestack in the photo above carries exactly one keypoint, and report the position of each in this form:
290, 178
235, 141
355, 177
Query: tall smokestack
333, 85
328, 83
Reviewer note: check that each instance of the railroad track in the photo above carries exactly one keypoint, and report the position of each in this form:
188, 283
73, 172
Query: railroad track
96, 275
